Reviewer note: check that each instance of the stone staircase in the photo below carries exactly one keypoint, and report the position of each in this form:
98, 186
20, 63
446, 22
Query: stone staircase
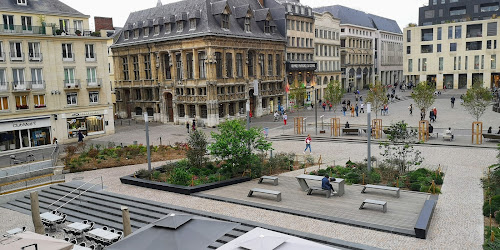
104, 208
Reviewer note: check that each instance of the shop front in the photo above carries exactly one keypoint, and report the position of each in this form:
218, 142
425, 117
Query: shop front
89, 123
27, 133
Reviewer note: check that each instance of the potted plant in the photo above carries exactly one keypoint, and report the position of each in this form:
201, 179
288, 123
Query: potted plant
78, 32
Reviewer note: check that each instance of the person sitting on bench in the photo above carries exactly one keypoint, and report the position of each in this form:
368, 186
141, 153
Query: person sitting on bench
490, 130
325, 183
347, 125
448, 132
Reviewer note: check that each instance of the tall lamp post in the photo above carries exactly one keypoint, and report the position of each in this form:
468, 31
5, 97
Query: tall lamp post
315, 109
369, 135
147, 141
248, 114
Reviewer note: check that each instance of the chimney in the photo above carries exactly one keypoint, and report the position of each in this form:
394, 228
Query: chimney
159, 3
103, 23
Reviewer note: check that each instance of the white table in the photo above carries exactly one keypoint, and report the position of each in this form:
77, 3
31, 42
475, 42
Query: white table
14, 231
104, 234
77, 247
50, 217
78, 226
305, 187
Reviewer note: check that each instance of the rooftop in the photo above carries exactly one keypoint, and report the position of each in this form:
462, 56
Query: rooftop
49, 7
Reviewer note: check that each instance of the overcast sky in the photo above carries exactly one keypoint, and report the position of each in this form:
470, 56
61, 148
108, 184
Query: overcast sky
403, 11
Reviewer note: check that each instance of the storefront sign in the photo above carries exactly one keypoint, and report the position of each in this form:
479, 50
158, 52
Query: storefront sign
24, 124
83, 114
301, 66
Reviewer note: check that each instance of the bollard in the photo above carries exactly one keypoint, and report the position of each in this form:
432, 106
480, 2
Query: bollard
35, 213
127, 229
363, 178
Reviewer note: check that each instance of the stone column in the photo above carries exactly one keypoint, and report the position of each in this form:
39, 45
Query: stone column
127, 229
35, 213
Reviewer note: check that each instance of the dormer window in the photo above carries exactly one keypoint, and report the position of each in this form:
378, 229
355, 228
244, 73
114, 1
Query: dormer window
22, 2
192, 24
126, 34
157, 30
168, 28
247, 25
180, 26
136, 33
267, 27
146, 32
225, 21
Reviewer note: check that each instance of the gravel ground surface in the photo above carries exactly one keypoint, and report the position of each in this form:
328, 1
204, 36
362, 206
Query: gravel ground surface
11, 219
457, 223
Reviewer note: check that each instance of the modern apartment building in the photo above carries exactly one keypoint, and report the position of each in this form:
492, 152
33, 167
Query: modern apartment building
53, 76
295, 21
326, 51
370, 47
199, 59
453, 55
447, 11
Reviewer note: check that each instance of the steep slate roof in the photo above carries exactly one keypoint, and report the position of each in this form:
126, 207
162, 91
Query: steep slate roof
207, 24
49, 7
360, 18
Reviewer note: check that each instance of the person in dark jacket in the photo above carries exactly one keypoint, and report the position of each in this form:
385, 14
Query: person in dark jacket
80, 136
325, 183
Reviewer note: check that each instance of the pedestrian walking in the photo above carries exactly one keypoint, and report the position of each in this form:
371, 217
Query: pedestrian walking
308, 144
452, 102
194, 125
435, 111
356, 109
348, 103
187, 127
285, 117
330, 107
411, 109
80, 136
344, 109
362, 108
352, 111
324, 106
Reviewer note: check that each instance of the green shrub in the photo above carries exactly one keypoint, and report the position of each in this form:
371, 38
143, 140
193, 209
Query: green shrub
438, 179
143, 174
488, 245
156, 175
495, 205
322, 172
353, 178
415, 186
180, 176
374, 177
184, 163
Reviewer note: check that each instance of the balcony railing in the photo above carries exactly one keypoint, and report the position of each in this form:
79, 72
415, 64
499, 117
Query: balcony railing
21, 86
22, 29
35, 57
72, 84
91, 57
16, 57
2, 57
68, 57
4, 86
94, 83
72, 32
37, 85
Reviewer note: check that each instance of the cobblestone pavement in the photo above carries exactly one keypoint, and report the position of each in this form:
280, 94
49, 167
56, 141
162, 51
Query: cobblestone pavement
457, 223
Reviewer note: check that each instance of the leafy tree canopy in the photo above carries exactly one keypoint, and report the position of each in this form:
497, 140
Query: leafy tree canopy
476, 100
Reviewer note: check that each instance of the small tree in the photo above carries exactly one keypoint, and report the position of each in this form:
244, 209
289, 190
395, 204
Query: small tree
235, 145
197, 142
298, 94
476, 100
423, 96
399, 151
377, 96
334, 93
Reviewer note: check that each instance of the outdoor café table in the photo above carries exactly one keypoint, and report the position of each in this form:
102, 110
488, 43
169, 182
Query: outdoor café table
77, 247
50, 217
14, 231
104, 234
78, 226
305, 187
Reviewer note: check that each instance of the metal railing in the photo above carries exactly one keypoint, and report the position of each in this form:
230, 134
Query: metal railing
2, 56
71, 83
79, 194
17, 57
54, 155
37, 57
4, 86
22, 29
21, 86
31, 183
94, 83
92, 57
68, 57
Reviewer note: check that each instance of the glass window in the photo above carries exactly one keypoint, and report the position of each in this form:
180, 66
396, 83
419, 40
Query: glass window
453, 46
167, 66
89, 52
493, 61
218, 64
278, 64
192, 24
189, 66
439, 33
135, 63
67, 51
22, 102
438, 49
410, 65
26, 23
4, 103
93, 97
450, 32
248, 27
72, 98
476, 62
229, 65
441, 63
125, 68
424, 64
39, 101
239, 65
492, 29
269, 65
92, 75
458, 32
201, 65
225, 21
69, 76
147, 67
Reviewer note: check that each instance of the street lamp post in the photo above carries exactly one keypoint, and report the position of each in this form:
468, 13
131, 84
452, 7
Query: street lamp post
315, 109
147, 141
248, 114
369, 135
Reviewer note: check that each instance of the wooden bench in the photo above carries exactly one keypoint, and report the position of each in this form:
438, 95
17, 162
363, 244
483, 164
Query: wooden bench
447, 137
328, 193
492, 137
350, 131
375, 202
382, 188
265, 191
275, 179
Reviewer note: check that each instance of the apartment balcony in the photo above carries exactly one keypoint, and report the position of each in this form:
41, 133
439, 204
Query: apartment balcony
91, 57
16, 57
74, 32
35, 57
94, 83
21, 86
2, 57
71, 84
37, 85
68, 57
4, 87
21, 29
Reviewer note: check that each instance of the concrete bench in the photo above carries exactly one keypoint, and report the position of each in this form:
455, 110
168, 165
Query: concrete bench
447, 137
328, 193
375, 202
350, 131
424, 219
382, 188
492, 137
265, 191
275, 179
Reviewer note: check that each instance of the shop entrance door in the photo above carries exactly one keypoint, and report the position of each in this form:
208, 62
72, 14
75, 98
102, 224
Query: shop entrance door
25, 138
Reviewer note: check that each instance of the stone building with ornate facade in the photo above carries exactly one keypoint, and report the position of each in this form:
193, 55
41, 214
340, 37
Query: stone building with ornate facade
199, 59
